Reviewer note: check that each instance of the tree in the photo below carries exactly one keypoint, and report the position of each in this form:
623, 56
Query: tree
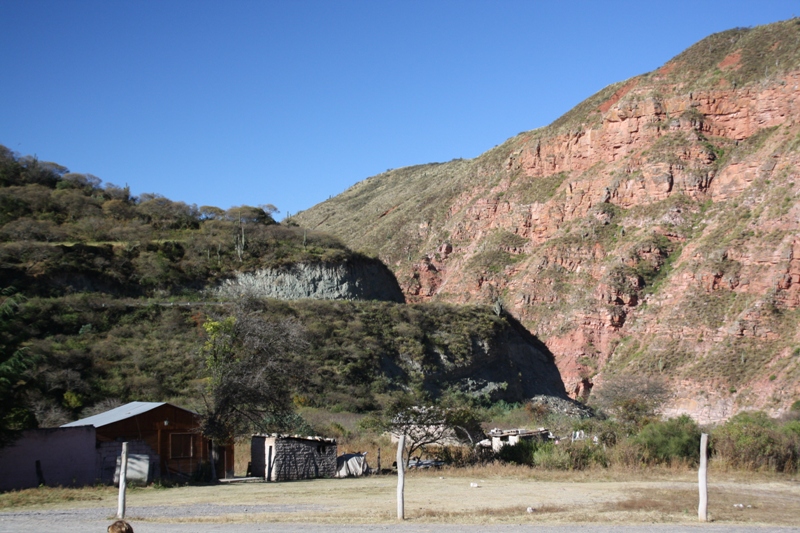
210, 212
270, 210
250, 373
426, 423
162, 212
246, 214
118, 209
85, 182
115, 192
42, 172
669, 440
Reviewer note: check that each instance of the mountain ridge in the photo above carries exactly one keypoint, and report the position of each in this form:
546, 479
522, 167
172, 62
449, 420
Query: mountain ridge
652, 228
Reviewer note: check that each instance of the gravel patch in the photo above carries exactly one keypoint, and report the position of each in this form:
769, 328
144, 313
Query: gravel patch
68, 520
162, 511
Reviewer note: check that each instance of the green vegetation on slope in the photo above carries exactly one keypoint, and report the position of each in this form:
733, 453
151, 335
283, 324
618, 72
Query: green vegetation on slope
754, 54
62, 232
90, 348
111, 303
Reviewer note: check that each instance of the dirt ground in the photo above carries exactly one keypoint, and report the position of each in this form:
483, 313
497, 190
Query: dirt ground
433, 499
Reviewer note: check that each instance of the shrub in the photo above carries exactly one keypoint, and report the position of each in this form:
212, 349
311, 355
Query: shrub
458, 456
631, 398
548, 455
577, 455
752, 440
627, 453
662, 442
552, 457
521, 453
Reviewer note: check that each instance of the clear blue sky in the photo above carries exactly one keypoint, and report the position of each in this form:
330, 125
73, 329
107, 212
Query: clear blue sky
289, 102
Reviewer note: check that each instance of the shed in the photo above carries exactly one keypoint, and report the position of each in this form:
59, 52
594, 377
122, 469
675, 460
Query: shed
284, 458
169, 435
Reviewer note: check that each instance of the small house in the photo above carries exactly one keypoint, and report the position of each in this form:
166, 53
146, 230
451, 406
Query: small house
165, 436
284, 458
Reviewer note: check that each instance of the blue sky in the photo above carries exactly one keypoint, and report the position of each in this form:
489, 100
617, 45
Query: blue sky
290, 102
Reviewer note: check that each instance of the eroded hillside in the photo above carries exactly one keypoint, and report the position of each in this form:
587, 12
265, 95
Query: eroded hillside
654, 228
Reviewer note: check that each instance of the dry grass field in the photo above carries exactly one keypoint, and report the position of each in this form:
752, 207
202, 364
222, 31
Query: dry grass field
503, 495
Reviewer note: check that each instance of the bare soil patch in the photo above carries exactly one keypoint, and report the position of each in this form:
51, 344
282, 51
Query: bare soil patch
731, 61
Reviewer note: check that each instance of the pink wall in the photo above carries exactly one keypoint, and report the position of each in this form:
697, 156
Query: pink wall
67, 457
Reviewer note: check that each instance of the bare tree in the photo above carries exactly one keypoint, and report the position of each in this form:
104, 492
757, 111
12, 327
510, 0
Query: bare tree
426, 423
250, 373
631, 397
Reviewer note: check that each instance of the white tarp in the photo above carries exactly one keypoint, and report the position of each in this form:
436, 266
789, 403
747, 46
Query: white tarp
352, 465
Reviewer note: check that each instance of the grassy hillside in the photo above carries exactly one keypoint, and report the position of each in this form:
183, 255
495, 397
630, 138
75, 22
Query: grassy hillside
62, 233
104, 300
89, 349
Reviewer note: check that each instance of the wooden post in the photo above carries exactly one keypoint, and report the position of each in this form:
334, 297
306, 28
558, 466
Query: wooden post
123, 481
379, 460
39, 474
702, 478
401, 478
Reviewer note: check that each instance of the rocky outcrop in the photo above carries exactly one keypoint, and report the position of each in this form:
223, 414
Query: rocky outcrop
350, 280
653, 229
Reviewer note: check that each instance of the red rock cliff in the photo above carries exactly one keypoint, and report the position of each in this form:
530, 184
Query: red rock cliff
654, 229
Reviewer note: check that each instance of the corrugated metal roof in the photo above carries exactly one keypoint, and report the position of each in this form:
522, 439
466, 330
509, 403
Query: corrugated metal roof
115, 415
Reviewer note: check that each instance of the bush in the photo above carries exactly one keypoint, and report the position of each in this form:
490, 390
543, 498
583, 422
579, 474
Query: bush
631, 398
577, 455
663, 442
549, 455
552, 457
752, 440
521, 453
626, 453
458, 456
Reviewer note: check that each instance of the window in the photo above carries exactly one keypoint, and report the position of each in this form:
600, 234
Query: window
181, 445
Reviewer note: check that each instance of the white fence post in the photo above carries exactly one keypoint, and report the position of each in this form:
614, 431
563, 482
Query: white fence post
401, 478
702, 475
123, 481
